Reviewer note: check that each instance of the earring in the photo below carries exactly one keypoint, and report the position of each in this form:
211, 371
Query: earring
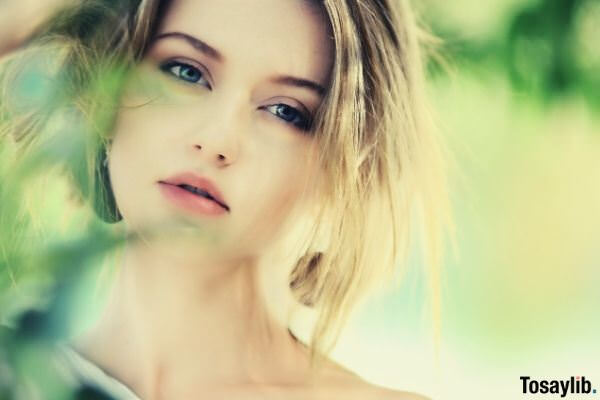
104, 203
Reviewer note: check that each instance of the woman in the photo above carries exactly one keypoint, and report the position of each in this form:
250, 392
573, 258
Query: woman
248, 147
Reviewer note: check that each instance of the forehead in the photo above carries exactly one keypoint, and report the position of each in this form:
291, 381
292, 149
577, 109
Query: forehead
285, 36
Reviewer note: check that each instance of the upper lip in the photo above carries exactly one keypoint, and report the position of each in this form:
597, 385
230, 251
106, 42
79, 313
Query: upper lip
191, 179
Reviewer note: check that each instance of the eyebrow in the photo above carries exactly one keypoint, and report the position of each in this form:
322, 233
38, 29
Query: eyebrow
301, 83
195, 42
214, 53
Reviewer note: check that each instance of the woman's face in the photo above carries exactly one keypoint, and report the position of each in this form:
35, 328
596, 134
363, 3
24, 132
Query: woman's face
226, 93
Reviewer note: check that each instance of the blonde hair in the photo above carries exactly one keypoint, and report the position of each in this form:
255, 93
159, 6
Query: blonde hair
379, 151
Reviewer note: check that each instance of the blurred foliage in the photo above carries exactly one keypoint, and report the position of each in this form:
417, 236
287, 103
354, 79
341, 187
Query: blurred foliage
39, 285
548, 49
42, 265
28, 339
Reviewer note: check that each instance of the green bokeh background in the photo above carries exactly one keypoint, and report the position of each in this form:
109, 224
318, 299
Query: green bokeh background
516, 86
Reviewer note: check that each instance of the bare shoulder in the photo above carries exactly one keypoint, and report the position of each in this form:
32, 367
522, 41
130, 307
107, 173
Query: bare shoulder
389, 394
350, 385
374, 392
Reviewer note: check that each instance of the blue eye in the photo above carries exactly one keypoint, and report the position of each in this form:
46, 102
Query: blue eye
290, 115
185, 72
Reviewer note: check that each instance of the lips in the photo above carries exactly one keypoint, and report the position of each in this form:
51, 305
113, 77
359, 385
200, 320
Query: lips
198, 182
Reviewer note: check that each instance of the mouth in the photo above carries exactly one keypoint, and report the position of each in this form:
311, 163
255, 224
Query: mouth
202, 193
193, 200
201, 187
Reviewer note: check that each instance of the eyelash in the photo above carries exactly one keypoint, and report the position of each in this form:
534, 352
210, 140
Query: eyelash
168, 68
298, 119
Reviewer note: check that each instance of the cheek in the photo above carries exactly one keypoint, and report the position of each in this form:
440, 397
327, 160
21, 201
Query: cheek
144, 137
278, 192
131, 164
291, 174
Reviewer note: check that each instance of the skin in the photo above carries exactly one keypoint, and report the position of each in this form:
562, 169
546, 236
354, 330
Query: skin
187, 315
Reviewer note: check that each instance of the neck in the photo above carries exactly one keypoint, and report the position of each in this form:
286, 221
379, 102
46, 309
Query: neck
173, 325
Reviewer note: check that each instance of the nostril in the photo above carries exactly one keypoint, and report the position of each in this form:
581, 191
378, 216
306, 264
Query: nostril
221, 157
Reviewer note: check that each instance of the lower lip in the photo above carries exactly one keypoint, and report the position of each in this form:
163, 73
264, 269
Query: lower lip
191, 202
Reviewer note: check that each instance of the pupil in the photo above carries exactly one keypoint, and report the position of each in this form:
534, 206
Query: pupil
286, 112
189, 73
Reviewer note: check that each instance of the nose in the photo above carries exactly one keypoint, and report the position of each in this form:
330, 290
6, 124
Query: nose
223, 158
218, 132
